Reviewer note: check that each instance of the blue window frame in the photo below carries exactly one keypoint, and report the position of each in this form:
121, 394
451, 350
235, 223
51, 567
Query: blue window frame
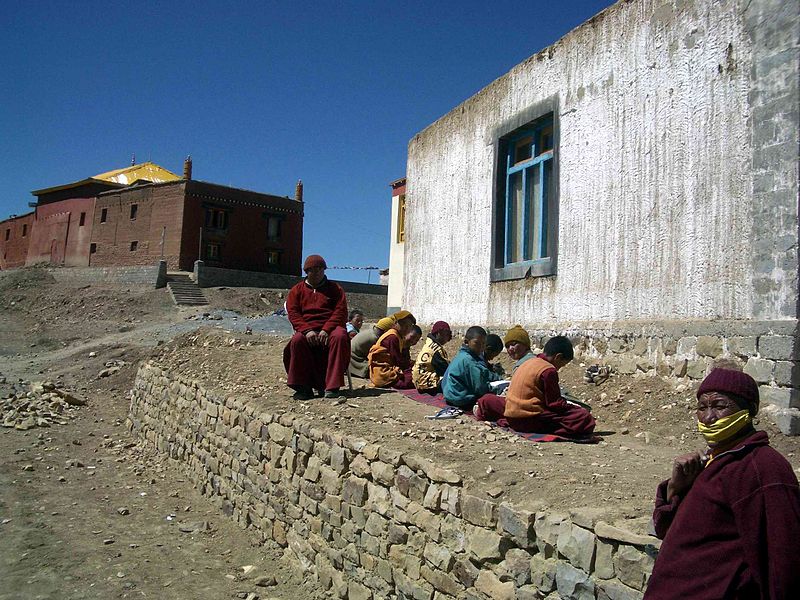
529, 160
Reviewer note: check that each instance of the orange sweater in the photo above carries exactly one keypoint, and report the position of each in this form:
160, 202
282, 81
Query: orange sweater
526, 394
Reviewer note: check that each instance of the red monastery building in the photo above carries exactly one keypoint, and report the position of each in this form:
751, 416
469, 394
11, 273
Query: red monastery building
143, 213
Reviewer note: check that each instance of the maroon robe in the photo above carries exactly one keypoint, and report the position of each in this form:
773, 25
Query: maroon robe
323, 308
557, 417
735, 533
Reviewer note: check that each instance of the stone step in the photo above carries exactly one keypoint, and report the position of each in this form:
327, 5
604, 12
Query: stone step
184, 291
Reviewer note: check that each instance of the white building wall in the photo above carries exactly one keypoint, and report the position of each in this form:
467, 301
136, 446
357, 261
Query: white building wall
394, 299
655, 191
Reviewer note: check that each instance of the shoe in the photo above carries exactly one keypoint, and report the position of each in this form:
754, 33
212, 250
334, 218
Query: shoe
303, 394
332, 393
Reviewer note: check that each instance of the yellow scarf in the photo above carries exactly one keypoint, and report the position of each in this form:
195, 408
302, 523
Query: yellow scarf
725, 428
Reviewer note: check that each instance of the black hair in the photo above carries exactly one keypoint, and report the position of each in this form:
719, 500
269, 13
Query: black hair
416, 329
473, 332
494, 344
353, 314
559, 345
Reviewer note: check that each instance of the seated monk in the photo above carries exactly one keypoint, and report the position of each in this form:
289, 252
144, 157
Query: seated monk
361, 344
354, 322
467, 378
533, 403
432, 361
410, 340
318, 353
388, 368
518, 346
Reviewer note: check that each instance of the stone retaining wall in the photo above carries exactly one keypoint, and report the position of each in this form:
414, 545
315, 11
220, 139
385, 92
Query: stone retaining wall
206, 276
139, 275
370, 522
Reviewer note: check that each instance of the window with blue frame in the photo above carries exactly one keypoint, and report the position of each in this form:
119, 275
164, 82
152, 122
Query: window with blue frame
528, 195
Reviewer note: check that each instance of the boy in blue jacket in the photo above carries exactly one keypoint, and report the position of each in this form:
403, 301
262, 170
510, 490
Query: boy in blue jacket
467, 378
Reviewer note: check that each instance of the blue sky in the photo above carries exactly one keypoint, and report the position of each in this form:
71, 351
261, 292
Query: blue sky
261, 94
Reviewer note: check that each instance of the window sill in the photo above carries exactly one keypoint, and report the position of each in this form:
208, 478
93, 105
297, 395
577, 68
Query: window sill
535, 268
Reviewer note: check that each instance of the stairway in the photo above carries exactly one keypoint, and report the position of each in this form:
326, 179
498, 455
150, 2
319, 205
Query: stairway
184, 291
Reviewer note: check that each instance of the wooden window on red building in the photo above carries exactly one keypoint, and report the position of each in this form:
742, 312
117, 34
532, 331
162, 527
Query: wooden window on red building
134, 246
134, 210
213, 251
8, 234
104, 215
24, 229
82, 220
273, 257
273, 228
216, 218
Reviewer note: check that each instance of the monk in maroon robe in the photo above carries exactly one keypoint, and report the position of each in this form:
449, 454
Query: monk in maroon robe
319, 352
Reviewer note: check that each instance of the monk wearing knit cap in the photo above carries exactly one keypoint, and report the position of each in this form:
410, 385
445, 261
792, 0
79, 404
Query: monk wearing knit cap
432, 361
361, 344
518, 346
729, 515
389, 366
318, 353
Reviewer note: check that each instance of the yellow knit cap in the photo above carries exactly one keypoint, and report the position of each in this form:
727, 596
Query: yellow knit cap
385, 324
519, 335
401, 314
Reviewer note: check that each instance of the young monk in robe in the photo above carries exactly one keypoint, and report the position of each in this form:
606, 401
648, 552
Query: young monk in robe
467, 378
533, 403
409, 341
354, 322
361, 344
388, 368
432, 361
494, 346
518, 346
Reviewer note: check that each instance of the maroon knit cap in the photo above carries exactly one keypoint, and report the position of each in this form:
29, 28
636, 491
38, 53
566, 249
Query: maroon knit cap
440, 326
314, 260
733, 382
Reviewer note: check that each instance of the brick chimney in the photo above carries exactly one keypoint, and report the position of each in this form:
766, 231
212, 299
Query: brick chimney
187, 168
298, 191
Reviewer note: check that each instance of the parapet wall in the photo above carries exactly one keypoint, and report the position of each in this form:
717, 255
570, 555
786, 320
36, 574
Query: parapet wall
206, 276
370, 522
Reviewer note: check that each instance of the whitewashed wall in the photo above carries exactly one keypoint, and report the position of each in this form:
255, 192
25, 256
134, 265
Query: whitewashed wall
656, 218
394, 300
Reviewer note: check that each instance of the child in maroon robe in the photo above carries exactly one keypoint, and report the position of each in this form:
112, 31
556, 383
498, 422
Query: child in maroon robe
533, 403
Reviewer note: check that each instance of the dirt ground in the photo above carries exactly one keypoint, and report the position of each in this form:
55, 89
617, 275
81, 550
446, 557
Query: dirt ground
86, 513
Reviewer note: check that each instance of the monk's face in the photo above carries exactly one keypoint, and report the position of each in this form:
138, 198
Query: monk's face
516, 350
412, 338
357, 321
713, 406
476, 344
315, 275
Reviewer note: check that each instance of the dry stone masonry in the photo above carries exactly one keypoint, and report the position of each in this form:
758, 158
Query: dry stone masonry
367, 521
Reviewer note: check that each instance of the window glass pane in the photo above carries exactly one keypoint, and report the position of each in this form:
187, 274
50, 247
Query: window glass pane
545, 140
272, 228
515, 213
546, 206
523, 150
533, 229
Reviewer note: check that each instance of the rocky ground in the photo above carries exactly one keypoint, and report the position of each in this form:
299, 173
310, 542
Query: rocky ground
85, 513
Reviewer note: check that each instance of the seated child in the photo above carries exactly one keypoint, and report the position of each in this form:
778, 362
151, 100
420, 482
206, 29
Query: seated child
533, 403
432, 361
388, 367
410, 340
361, 344
518, 346
354, 322
494, 346
467, 378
